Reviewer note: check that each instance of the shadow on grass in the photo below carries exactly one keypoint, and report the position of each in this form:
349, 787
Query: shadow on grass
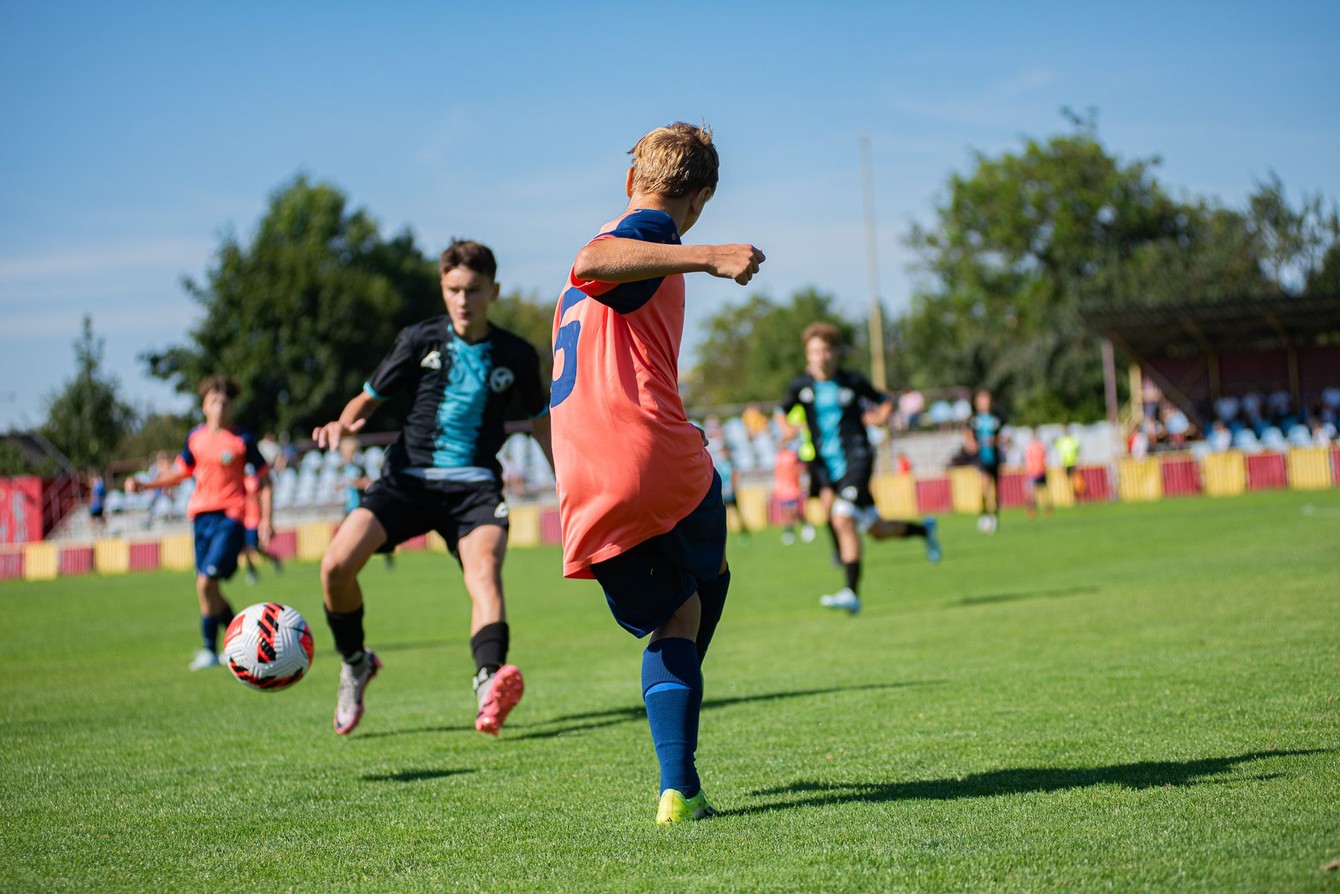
1021, 596
572, 723
1015, 781
413, 775
438, 728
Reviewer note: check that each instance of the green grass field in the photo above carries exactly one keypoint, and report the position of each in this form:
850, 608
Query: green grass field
1128, 697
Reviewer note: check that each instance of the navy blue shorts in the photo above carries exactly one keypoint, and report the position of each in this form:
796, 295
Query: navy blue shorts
218, 543
647, 584
253, 539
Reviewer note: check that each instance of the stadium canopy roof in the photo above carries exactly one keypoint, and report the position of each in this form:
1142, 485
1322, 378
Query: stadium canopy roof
1180, 330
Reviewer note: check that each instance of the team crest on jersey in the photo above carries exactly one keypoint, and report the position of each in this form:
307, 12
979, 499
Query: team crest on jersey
226, 457
806, 395
501, 379
845, 396
849, 492
432, 360
501, 511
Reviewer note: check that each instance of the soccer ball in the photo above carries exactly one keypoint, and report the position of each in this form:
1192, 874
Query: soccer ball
268, 646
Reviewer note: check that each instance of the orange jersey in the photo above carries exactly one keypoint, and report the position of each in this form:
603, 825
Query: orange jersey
1035, 459
218, 460
629, 464
786, 476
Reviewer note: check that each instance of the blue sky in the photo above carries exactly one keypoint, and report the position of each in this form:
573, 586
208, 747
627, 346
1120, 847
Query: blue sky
136, 134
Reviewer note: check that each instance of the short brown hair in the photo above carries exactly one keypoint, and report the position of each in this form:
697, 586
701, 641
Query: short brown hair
826, 331
675, 160
220, 382
471, 255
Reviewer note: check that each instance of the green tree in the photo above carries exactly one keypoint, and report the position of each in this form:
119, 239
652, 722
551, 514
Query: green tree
1031, 238
1292, 242
160, 431
86, 419
752, 351
302, 313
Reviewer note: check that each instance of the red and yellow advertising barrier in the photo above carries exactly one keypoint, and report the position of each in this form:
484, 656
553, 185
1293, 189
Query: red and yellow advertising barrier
895, 495
1225, 474
1309, 468
1139, 480
41, 561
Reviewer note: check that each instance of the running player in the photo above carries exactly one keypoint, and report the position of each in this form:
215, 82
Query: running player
216, 455
639, 501
838, 406
441, 475
985, 443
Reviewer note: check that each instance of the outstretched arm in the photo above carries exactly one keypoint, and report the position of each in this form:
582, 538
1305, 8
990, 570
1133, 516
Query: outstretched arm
617, 260
351, 421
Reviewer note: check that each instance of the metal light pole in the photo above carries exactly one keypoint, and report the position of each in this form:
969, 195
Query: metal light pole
878, 376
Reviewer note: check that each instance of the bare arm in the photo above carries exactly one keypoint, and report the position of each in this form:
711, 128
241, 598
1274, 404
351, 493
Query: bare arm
172, 479
352, 419
878, 415
632, 260
540, 430
266, 529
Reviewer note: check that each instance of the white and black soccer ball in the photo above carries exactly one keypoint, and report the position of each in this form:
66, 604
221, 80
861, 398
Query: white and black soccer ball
268, 646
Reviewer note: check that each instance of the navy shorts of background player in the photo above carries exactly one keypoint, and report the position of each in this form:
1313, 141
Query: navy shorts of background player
442, 474
844, 459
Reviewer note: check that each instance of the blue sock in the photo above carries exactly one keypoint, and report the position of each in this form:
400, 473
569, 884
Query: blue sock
713, 598
672, 688
209, 632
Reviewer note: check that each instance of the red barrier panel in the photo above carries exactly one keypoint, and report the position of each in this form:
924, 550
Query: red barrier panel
420, 542
551, 529
934, 496
1267, 471
11, 566
144, 556
1097, 485
21, 509
285, 544
1335, 466
76, 560
1181, 476
1013, 490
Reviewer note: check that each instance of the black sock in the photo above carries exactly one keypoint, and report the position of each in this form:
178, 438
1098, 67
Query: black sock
489, 646
348, 630
226, 616
853, 570
912, 529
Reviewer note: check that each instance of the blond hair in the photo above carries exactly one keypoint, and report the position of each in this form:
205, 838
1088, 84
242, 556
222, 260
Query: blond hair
675, 160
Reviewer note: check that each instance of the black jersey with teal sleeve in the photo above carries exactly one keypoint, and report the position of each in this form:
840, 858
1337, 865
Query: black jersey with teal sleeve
460, 392
833, 409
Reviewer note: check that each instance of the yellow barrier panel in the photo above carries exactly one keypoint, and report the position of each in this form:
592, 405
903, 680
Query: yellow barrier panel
313, 538
435, 543
111, 557
41, 561
1060, 488
1309, 468
1225, 473
752, 504
895, 495
814, 511
524, 526
1139, 480
965, 489
176, 552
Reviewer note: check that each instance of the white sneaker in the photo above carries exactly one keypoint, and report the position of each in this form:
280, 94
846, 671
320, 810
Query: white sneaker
844, 599
788, 537
349, 702
203, 660
807, 533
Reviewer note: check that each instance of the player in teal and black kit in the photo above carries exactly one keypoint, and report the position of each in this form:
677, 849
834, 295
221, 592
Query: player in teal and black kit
986, 445
838, 406
441, 475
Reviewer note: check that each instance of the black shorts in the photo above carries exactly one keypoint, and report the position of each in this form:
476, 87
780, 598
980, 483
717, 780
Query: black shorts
647, 584
854, 485
818, 477
407, 506
992, 469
